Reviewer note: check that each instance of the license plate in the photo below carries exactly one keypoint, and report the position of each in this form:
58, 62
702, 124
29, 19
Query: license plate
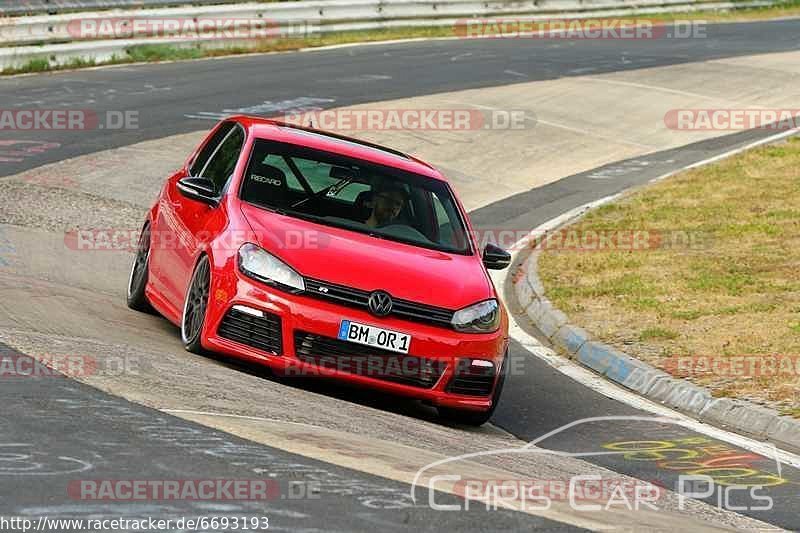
374, 336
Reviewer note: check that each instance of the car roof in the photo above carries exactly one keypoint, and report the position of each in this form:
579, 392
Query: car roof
274, 130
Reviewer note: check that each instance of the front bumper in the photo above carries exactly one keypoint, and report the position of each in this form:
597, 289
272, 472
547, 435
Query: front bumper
442, 347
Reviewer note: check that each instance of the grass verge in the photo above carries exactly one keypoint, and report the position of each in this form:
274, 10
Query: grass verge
161, 52
715, 295
166, 52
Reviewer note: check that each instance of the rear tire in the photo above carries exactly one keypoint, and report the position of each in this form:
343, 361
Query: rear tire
136, 298
477, 418
195, 307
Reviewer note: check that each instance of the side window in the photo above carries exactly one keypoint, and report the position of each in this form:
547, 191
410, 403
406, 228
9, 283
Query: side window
446, 233
441, 213
208, 150
223, 162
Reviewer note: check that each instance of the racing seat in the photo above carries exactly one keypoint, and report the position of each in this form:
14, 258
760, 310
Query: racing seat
362, 206
266, 184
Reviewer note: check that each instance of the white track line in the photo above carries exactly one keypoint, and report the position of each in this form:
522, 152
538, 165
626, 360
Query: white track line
573, 129
656, 88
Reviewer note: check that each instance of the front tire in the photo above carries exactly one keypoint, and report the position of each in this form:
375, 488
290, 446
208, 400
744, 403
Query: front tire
195, 307
477, 418
137, 282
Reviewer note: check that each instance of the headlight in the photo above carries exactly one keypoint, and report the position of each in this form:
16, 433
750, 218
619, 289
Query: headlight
258, 264
483, 317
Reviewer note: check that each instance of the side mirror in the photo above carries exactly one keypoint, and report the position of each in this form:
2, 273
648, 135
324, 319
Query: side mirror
200, 189
495, 258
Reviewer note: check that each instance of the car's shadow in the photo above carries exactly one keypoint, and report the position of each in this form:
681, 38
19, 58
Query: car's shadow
351, 393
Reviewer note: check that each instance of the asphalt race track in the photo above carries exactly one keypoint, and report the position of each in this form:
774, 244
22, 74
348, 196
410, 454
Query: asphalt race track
119, 439
166, 96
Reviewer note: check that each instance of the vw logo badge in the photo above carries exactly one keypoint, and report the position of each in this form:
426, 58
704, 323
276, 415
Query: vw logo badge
380, 303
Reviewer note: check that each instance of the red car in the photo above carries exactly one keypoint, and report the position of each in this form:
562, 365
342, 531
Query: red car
317, 254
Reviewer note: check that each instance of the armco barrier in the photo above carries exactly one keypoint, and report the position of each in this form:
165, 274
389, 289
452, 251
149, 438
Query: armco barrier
37, 7
51, 37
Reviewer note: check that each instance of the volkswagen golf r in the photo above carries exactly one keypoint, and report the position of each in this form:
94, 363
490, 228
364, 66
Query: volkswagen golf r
317, 254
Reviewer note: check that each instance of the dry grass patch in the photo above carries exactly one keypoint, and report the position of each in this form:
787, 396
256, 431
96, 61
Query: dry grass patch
732, 288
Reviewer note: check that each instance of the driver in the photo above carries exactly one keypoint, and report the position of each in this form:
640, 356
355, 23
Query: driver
387, 203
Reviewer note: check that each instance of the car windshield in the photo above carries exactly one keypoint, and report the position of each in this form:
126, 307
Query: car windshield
339, 191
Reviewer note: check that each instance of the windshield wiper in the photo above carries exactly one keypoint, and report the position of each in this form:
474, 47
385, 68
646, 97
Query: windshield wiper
337, 187
288, 212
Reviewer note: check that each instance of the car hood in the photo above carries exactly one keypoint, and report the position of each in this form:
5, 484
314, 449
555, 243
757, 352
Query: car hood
359, 261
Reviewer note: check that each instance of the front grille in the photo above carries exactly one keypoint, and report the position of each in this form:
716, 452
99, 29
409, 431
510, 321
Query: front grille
472, 381
339, 293
263, 333
358, 298
334, 354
